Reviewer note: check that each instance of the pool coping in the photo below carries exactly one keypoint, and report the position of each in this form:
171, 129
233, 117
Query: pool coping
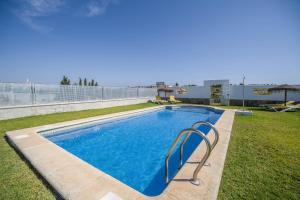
73, 178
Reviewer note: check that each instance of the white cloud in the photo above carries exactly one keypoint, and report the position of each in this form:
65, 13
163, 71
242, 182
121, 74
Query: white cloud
34, 13
31, 11
98, 7
45, 6
31, 22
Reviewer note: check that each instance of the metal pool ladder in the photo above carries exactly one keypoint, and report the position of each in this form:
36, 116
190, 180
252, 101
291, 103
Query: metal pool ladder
187, 133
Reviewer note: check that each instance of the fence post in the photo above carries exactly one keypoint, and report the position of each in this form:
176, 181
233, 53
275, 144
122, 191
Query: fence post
137, 93
32, 92
102, 93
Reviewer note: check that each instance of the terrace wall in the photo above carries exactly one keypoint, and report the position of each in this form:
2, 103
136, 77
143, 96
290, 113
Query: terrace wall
23, 111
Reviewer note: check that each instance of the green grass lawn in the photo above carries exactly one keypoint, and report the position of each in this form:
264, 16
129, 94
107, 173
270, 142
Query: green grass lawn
17, 179
263, 160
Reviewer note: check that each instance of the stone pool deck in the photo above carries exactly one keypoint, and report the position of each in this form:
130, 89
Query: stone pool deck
73, 178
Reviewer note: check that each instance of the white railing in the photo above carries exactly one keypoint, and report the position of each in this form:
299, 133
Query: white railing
16, 94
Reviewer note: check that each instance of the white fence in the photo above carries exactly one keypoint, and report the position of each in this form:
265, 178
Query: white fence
14, 94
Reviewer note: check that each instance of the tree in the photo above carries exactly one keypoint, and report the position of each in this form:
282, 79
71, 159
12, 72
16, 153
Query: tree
85, 82
65, 81
176, 84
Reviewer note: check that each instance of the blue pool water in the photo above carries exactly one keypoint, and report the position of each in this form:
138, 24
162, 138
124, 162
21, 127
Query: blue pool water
133, 149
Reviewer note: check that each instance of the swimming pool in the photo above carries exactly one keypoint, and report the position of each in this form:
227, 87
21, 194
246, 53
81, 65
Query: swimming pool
133, 149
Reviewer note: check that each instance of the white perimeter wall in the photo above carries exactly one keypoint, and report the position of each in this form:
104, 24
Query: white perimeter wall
23, 111
200, 92
236, 92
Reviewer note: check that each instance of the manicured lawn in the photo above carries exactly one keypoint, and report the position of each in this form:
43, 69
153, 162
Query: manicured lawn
263, 160
17, 180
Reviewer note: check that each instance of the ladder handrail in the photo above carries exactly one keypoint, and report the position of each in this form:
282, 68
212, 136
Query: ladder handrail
199, 123
195, 126
201, 163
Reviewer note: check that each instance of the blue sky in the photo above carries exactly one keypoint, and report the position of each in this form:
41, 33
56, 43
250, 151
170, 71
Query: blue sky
130, 42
